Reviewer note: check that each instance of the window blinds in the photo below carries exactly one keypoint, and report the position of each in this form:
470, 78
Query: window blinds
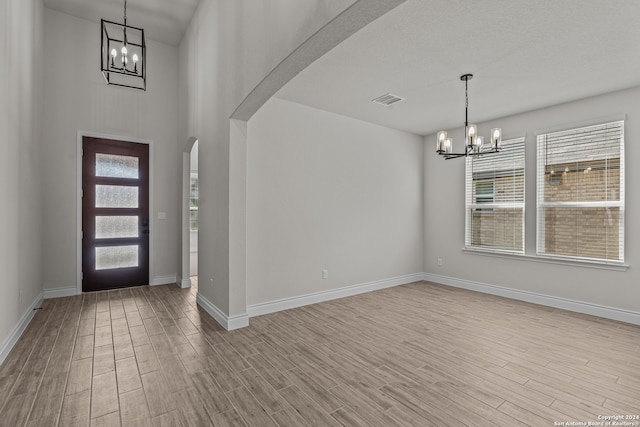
495, 199
580, 193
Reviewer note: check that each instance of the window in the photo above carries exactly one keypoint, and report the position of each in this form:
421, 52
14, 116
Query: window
495, 199
580, 200
193, 202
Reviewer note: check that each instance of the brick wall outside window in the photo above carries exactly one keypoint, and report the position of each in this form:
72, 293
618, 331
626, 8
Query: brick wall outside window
580, 193
498, 227
584, 231
495, 199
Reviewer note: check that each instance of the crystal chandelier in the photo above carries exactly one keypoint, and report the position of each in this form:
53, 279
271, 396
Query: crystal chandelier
474, 144
123, 56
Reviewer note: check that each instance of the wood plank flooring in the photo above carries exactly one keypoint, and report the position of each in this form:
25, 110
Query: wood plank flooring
415, 355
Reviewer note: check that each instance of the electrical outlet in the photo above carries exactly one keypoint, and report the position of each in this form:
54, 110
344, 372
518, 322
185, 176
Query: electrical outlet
440, 262
325, 274
211, 283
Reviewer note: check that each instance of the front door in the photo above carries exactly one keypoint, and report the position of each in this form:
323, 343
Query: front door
115, 214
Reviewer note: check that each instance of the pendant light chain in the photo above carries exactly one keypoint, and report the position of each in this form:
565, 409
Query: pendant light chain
466, 103
124, 31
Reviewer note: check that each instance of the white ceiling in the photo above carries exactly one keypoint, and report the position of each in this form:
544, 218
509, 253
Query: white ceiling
524, 54
162, 20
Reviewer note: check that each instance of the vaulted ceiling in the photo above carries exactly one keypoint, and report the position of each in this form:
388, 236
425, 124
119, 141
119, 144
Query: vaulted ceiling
524, 55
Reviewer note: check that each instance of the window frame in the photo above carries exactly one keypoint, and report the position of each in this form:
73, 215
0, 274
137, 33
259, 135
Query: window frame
541, 171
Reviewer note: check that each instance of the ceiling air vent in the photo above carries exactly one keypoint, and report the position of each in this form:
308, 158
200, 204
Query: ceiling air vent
387, 99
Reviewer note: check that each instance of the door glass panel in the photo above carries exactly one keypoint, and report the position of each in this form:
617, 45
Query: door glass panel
112, 165
116, 196
112, 227
111, 257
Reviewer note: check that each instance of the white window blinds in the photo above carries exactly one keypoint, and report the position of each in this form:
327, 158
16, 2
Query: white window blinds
495, 199
580, 193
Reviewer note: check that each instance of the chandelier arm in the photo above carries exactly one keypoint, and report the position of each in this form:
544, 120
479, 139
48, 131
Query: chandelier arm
449, 156
454, 155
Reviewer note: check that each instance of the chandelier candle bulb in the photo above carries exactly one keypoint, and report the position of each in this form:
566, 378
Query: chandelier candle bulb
472, 133
479, 143
496, 138
448, 146
442, 136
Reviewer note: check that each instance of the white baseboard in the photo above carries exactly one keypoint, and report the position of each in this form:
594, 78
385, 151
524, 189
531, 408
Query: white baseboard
183, 283
162, 280
302, 300
60, 292
550, 301
12, 339
71, 291
228, 322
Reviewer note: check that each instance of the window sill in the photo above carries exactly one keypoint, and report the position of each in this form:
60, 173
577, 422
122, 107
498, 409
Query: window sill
549, 260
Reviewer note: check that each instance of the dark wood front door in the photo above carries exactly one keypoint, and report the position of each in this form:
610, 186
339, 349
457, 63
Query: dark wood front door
115, 214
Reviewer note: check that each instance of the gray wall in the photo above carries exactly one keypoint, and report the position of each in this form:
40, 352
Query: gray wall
76, 99
325, 191
444, 212
21, 44
228, 49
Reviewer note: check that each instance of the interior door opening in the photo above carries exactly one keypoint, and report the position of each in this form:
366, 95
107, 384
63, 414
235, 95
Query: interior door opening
193, 213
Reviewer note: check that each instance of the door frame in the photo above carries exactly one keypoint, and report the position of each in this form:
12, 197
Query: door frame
80, 135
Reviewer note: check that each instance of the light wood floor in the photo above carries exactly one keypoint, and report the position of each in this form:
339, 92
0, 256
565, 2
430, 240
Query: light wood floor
414, 355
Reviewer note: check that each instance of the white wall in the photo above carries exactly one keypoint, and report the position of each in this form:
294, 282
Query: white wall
77, 98
325, 191
444, 212
230, 46
21, 43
